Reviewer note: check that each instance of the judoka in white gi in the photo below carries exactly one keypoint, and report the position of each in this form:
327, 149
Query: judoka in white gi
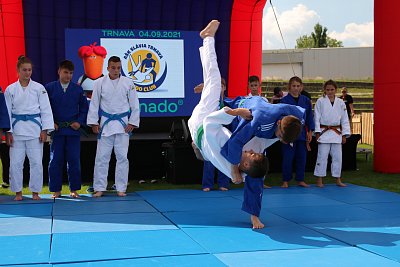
331, 130
206, 126
116, 105
31, 119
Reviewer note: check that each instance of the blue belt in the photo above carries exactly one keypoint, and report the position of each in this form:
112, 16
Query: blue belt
112, 117
26, 117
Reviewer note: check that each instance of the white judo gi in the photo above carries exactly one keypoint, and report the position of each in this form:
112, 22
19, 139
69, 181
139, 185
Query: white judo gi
113, 100
330, 141
33, 102
205, 119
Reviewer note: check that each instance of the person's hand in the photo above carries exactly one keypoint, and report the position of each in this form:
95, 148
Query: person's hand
317, 135
198, 88
55, 127
129, 128
43, 136
309, 136
352, 114
343, 139
237, 178
242, 112
9, 139
75, 125
95, 129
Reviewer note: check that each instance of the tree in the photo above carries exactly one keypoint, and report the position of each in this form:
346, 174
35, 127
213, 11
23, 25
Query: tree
318, 38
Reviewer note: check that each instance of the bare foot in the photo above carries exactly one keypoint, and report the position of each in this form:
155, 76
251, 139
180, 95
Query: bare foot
285, 185
223, 188
267, 187
206, 189
257, 224
18, 196
56, 194
121, 194
302, 184
210, 29
339, 182
35, 196
319, 182
74, 194
98, 194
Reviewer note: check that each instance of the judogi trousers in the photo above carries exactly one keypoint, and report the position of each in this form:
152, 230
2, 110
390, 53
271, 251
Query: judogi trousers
34, 150
325, 149
208, 176
65, 147
105, 145
299, 153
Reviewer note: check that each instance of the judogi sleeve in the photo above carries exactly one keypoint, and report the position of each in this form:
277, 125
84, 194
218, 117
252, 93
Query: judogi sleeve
46, 115
93, 114
83, 107
134, 119
8, 97
317, 115
309, 117
344, 120
4, 116
232, 150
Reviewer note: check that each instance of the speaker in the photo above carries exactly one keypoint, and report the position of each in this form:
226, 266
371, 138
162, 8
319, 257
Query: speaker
181, 164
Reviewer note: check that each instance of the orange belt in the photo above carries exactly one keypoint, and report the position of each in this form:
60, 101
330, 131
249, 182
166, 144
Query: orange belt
333, 128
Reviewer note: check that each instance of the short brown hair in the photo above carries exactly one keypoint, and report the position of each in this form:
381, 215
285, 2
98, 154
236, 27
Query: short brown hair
253, 78
258, 167
291, 128
66, 64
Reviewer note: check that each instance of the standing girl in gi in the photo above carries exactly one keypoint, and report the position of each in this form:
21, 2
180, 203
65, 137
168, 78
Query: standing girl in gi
298, 149
331, 130
31, 118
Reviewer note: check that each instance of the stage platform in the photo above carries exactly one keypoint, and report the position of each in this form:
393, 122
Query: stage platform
332, 226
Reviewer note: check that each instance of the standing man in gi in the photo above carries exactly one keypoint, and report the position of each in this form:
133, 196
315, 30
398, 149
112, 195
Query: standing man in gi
115, 105
70, 107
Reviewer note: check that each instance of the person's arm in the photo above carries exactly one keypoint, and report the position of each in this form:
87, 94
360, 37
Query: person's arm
93, 113
46, 114
309, 121
344, 121
350, 101
317, 118
83, 107
134, 118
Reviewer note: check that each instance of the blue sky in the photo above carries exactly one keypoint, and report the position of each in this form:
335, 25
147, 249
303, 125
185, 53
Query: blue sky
350, 21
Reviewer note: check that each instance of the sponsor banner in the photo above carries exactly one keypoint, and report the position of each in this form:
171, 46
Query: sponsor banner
164, 65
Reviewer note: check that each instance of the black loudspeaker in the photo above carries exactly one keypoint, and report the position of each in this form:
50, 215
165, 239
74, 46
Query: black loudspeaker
179, 131
181, 164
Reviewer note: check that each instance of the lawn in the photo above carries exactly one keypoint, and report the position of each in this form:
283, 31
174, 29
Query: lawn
364, 175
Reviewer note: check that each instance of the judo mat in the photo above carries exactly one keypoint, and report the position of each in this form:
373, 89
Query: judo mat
330, 226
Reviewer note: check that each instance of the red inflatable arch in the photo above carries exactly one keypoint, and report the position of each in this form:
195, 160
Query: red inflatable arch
245, 59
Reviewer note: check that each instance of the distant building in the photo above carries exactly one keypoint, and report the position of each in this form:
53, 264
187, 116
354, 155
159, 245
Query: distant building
355, 63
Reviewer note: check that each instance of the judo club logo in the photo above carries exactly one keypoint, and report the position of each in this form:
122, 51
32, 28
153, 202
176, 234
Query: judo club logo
146, 67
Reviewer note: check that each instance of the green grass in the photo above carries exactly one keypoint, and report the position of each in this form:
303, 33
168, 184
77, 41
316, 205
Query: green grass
364, 176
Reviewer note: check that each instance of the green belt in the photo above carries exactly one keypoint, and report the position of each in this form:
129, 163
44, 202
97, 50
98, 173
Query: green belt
199, 136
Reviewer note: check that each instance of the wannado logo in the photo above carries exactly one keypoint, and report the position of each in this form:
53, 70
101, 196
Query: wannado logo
162, 107
144, 65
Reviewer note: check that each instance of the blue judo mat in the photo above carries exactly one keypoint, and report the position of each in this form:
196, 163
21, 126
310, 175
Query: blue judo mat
331, 226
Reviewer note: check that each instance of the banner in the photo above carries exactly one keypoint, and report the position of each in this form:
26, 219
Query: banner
164, 65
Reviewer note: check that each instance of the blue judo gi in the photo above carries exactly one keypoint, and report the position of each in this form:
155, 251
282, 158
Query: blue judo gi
298, 151
263, 125
69, 106
4, 117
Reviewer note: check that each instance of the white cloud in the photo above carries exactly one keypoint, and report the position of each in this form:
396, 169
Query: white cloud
355, 34
294, 23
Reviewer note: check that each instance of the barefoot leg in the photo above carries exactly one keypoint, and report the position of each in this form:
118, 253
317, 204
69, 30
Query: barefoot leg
56, 194
210, 29
18, 196
302, 184
121, 194
339, 182
285, 185
35, 196
74, 194
206, 189
223, 188
98, 194
319, 182
257, 224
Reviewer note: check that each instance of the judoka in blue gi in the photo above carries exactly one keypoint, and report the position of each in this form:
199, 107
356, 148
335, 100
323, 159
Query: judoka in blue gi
298, 150
270, 122
70, 108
